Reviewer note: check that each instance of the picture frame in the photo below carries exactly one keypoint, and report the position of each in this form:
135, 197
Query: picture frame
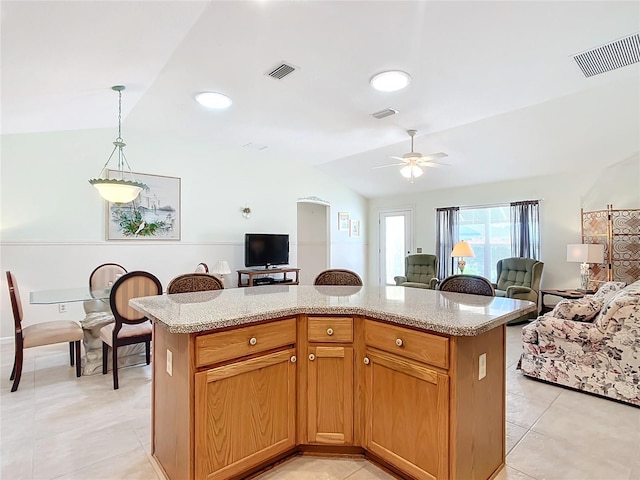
153, 215
343, 221
354, 228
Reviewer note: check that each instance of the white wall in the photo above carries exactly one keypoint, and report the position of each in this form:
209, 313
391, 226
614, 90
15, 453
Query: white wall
53, 221
562, 198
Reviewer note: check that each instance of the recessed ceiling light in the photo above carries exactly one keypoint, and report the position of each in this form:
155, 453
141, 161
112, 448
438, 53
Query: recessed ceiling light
390, 81
213, 100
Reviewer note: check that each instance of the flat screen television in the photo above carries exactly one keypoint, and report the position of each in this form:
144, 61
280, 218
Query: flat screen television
266, 249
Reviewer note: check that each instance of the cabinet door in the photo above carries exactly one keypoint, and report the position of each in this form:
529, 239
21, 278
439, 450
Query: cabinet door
407, 414
330, 395
245, 413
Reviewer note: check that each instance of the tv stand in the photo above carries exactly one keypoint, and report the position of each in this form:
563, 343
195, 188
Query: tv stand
250, 273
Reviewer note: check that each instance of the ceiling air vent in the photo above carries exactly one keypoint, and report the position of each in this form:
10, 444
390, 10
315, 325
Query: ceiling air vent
281, 71
610, 56
384, 113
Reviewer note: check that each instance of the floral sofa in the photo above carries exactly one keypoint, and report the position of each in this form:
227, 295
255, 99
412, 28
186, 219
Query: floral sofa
590, 344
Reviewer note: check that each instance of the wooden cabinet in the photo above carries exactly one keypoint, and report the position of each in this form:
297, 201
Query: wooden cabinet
244, 414
410, 432
330, 378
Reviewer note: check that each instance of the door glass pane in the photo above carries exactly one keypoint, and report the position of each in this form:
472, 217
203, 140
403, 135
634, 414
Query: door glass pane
395, 242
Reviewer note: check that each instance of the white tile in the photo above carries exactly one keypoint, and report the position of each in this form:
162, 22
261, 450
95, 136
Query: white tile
315, 468
514, 435
524, 411
528, 387
133, 465
509, 473
67, 452
543, 457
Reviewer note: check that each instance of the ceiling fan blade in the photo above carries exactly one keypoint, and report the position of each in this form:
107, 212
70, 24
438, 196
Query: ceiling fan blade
433, 164
390, 165
433, 156
398, 158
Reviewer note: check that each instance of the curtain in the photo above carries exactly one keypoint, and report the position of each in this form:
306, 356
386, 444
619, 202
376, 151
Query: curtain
525, 229
447, 220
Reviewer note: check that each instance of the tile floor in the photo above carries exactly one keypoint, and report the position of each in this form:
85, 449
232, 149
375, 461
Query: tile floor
57, 426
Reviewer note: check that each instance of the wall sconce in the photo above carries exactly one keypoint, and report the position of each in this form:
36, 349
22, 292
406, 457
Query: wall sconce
246, 212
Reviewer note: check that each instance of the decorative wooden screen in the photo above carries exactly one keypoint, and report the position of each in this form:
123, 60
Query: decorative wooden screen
619, 232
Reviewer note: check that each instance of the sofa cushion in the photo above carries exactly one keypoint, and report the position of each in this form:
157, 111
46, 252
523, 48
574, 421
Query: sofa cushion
579, 310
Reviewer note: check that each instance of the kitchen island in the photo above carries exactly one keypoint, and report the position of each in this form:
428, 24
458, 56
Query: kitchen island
412, 379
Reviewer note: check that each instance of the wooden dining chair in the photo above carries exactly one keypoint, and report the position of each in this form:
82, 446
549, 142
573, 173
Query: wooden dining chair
202, 268
105, 275
337, 276
130, 326
464, 283
194, 282
39, 334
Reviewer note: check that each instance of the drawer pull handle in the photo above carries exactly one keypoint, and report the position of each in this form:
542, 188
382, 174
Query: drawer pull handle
253, 341
329, 331
367, 361
399, 342
312, 357
293, 359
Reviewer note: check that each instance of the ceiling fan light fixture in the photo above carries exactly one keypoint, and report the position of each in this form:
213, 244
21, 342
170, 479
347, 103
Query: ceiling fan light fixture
390, 81
411, 171
215, 100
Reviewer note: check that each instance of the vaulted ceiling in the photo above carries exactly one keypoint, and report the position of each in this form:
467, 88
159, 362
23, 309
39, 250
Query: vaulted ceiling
493, 83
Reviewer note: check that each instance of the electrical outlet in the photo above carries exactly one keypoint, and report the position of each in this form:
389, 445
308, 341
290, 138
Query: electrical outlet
482, 366
419, 250
62, 308
169, 363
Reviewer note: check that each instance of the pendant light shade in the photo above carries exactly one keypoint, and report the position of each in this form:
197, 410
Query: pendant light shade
120, 189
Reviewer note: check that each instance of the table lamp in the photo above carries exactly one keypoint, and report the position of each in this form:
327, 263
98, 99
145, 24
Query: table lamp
221, 269
462, 249
585, 253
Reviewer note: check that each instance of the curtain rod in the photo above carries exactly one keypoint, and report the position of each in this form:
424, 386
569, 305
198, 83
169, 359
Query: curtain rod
492, 205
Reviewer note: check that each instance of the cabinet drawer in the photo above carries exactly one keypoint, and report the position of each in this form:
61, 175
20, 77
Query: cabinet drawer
421, 346
330, 329
219, 347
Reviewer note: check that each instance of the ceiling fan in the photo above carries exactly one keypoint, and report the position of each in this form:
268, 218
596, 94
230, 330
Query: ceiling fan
413, 162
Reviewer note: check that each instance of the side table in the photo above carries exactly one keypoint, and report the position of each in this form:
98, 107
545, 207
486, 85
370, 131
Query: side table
569, 294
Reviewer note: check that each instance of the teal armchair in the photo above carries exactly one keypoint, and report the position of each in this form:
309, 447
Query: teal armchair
420, 271
519, 278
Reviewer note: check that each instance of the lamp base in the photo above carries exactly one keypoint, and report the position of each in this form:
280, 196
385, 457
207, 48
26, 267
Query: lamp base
584, 277
461, 265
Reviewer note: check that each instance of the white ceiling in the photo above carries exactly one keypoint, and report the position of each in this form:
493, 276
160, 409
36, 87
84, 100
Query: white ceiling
493, 82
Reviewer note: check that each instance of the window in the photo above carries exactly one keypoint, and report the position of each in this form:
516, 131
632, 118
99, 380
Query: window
488, 231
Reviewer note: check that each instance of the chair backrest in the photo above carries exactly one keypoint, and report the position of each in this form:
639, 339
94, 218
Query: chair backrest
105, 275
16, 304
473, 284
194, 282
202, 268
525, 272
337, 276
421, 267
132, 285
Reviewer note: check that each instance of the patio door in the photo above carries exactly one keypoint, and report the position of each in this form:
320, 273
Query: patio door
396, 239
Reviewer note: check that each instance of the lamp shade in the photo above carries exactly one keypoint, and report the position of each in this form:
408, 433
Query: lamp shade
585, 253
117, 191
462, 249
221, 268
411, 170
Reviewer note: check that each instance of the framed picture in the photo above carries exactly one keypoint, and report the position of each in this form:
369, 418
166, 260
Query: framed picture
354, 228
154, 215
343, 221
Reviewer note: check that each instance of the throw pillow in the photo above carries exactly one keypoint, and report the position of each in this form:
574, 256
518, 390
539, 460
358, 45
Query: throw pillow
580, 310
608, 290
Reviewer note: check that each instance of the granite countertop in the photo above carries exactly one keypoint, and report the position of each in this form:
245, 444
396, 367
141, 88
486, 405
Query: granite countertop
443, 312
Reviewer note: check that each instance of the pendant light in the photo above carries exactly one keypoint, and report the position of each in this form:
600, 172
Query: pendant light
118, 190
